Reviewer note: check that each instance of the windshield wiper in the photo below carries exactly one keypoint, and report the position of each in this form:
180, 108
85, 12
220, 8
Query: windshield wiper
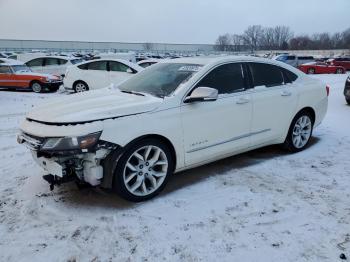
133, 93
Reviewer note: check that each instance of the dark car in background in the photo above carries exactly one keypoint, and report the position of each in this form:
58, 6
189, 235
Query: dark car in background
347, 90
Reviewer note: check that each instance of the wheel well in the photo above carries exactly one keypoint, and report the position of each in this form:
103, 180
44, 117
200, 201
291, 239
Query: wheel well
309, 110
34, 81
76, 82
160, 138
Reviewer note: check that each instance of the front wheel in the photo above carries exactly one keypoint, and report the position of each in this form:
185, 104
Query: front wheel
339, 71
36, 87
80, 87
143, 170
300, 132
311, 71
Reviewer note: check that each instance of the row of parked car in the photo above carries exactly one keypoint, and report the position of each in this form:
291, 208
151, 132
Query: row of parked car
48, 73
310, 65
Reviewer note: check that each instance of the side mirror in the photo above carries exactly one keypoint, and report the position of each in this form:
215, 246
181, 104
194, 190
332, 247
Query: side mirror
129, 71
201, 94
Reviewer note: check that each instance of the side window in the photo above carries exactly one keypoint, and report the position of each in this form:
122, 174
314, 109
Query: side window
226, 79
291, 57
118, 67
51, 61
289, 77
83, 66
98, 65
5, 70
35, 62
62, 61
266, 75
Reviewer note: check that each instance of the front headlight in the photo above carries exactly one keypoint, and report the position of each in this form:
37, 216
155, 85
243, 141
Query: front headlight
71, 143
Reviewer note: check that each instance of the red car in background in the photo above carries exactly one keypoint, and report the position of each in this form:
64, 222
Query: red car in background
18, 76
321, 68
340, 61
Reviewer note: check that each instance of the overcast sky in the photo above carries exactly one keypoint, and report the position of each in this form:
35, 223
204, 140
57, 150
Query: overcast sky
175, 21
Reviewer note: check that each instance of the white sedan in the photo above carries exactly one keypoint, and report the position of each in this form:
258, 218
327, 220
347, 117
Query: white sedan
98, 73
173, 116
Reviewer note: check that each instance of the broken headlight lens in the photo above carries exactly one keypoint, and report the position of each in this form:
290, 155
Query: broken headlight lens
72, 143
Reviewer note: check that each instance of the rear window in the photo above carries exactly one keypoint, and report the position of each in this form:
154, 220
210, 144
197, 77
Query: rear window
289, 77
266, 74
305, 57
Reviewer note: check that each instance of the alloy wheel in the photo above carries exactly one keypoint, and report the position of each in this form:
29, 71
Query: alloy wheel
36, 87
302, 131
80, 87
145, 170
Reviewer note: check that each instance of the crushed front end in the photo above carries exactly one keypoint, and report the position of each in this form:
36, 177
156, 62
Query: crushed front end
68, 157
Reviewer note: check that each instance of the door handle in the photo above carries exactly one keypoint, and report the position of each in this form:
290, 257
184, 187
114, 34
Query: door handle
242, 100
286, 93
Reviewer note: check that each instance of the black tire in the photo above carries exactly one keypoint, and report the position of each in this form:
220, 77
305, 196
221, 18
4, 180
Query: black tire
118, 181
36, 87
347, 100
311, 71
80, 86
339, 71
288, 143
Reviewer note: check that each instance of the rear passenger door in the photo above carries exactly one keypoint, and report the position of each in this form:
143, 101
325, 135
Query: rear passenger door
274, 101
96, 75
118, 72
52, 66
36, 65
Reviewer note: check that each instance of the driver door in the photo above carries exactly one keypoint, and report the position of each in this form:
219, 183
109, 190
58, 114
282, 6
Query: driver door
214, 129
6, 77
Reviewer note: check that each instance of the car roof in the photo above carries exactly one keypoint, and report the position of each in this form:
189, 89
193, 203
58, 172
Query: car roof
10, 62
216, 60
57, 56
126, 62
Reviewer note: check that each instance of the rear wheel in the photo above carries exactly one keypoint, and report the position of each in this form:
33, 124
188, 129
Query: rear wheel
36, 87
80, 87
143, 170
311, 71
347, 100
300, 132
339, 71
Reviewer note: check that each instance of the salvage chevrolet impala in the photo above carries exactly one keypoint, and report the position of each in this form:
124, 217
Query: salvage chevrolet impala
173, 116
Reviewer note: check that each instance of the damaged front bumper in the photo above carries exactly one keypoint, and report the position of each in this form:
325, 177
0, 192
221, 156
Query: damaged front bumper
82, 165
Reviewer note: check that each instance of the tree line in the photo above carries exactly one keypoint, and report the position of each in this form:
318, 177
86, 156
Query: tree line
257, 37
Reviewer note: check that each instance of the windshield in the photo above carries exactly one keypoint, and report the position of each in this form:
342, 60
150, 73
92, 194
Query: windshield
160, 79
21, 68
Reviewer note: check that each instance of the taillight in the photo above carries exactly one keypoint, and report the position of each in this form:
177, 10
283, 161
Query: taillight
327, 89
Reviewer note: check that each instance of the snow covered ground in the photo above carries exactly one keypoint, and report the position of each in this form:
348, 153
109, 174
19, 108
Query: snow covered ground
264, 205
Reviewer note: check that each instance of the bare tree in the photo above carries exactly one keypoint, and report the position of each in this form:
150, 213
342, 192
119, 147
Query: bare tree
148, 46
252, 36
282, 35
223, 43
237, 42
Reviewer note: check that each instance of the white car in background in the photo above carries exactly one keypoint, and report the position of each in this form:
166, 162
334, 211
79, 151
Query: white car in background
173, 116
56, 65
148, 62
98, 74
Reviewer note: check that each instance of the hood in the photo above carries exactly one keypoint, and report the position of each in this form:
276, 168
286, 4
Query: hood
93, 105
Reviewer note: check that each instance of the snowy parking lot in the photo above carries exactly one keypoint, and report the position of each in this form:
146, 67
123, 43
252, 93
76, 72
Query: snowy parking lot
265, 205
